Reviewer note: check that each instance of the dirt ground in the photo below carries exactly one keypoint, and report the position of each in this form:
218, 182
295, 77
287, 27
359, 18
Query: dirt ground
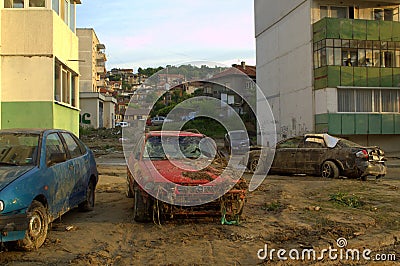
285, 212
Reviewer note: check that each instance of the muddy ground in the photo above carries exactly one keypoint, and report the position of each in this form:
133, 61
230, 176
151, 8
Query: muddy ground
288, 212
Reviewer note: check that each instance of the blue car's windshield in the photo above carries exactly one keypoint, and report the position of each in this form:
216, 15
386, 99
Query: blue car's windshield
18, 148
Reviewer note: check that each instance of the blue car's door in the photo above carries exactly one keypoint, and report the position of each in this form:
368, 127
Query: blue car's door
57, 173
80, 173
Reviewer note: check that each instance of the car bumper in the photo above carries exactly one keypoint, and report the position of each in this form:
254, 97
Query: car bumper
11, 226
374, 169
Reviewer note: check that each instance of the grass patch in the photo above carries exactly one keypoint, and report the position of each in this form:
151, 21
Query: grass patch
273, 206
206, 126
343, 199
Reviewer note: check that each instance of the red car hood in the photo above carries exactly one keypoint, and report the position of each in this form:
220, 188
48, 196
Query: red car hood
168, 170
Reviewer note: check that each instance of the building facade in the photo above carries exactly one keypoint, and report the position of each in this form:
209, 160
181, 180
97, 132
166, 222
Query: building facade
39, 64
97, 109
331, 66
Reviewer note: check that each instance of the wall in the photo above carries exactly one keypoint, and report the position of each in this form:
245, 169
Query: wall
90, 111
87, 57
284, 63
66, 118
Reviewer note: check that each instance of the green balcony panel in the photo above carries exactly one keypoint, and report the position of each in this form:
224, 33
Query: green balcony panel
385, 30
359, 29
321, 72
396, 77
373, 75
372, 30
386, 77
333, 28
396, 124
335, 124
346, 76
319, 29
348, 124
322, 119
396, 31
375, 124
333, 76
320, 83
361, 121
388, 124
346, 29
360, 76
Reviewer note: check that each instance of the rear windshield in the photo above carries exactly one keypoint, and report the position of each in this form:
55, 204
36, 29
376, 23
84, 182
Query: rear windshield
348, 144
186, 147
238, 135
18, 148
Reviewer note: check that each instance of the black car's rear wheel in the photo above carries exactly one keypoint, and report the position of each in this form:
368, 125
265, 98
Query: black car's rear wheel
329, 170
253, 163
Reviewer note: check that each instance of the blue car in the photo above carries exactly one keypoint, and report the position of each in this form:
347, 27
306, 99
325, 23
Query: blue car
43, 174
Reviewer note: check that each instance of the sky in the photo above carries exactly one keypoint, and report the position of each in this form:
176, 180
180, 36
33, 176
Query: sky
154, 33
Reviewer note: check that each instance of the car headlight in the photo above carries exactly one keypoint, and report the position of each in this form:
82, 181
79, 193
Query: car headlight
1, 205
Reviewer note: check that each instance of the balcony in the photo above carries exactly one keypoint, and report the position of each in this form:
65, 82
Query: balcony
356, 53
101, 57
351, 124
356, 29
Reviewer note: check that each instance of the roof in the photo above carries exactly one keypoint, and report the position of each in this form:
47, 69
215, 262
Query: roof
237, 70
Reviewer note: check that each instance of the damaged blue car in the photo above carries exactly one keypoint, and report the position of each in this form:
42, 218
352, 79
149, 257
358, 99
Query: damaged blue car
43, 174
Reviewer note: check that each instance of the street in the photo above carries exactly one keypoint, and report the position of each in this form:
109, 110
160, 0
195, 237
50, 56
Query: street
285, 212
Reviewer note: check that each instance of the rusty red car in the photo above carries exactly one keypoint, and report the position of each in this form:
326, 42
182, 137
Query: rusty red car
158, 166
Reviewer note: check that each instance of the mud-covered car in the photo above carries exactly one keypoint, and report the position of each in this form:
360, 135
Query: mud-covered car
149, 170
324, 155
43, 174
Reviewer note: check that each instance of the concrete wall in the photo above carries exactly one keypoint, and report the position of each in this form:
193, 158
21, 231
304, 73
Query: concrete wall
109, 112
386, 142
90, 106
87, 55
284, 63
327, 101
31, 40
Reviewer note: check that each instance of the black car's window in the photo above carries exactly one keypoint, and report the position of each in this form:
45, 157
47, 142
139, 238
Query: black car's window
289, 143
18, 148
312, 142
53, 145
72, 145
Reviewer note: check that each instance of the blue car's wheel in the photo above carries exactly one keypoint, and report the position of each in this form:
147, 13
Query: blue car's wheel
37, 227
88, 204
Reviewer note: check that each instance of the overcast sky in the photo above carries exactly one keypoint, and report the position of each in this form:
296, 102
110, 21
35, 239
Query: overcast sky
154, 33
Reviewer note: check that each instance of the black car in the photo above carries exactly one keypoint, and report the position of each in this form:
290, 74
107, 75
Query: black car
237, 142
324, 155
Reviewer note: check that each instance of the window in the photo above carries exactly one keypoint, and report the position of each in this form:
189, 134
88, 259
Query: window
56, 6
368, 100
64, 85
37, 3
387, 14
336, 12
53, 145
72, 145
337, 52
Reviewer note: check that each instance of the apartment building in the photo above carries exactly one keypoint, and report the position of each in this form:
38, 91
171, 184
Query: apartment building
331, 66
97, 109
39, 73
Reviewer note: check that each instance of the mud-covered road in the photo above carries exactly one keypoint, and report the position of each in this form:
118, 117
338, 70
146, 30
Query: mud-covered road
287, 212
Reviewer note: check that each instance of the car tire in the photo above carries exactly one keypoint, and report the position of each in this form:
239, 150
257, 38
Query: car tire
253, 163
88, 204
141, 208
129, 192
38, 225
329, 170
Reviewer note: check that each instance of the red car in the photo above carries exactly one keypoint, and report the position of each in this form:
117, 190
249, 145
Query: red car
163, 178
